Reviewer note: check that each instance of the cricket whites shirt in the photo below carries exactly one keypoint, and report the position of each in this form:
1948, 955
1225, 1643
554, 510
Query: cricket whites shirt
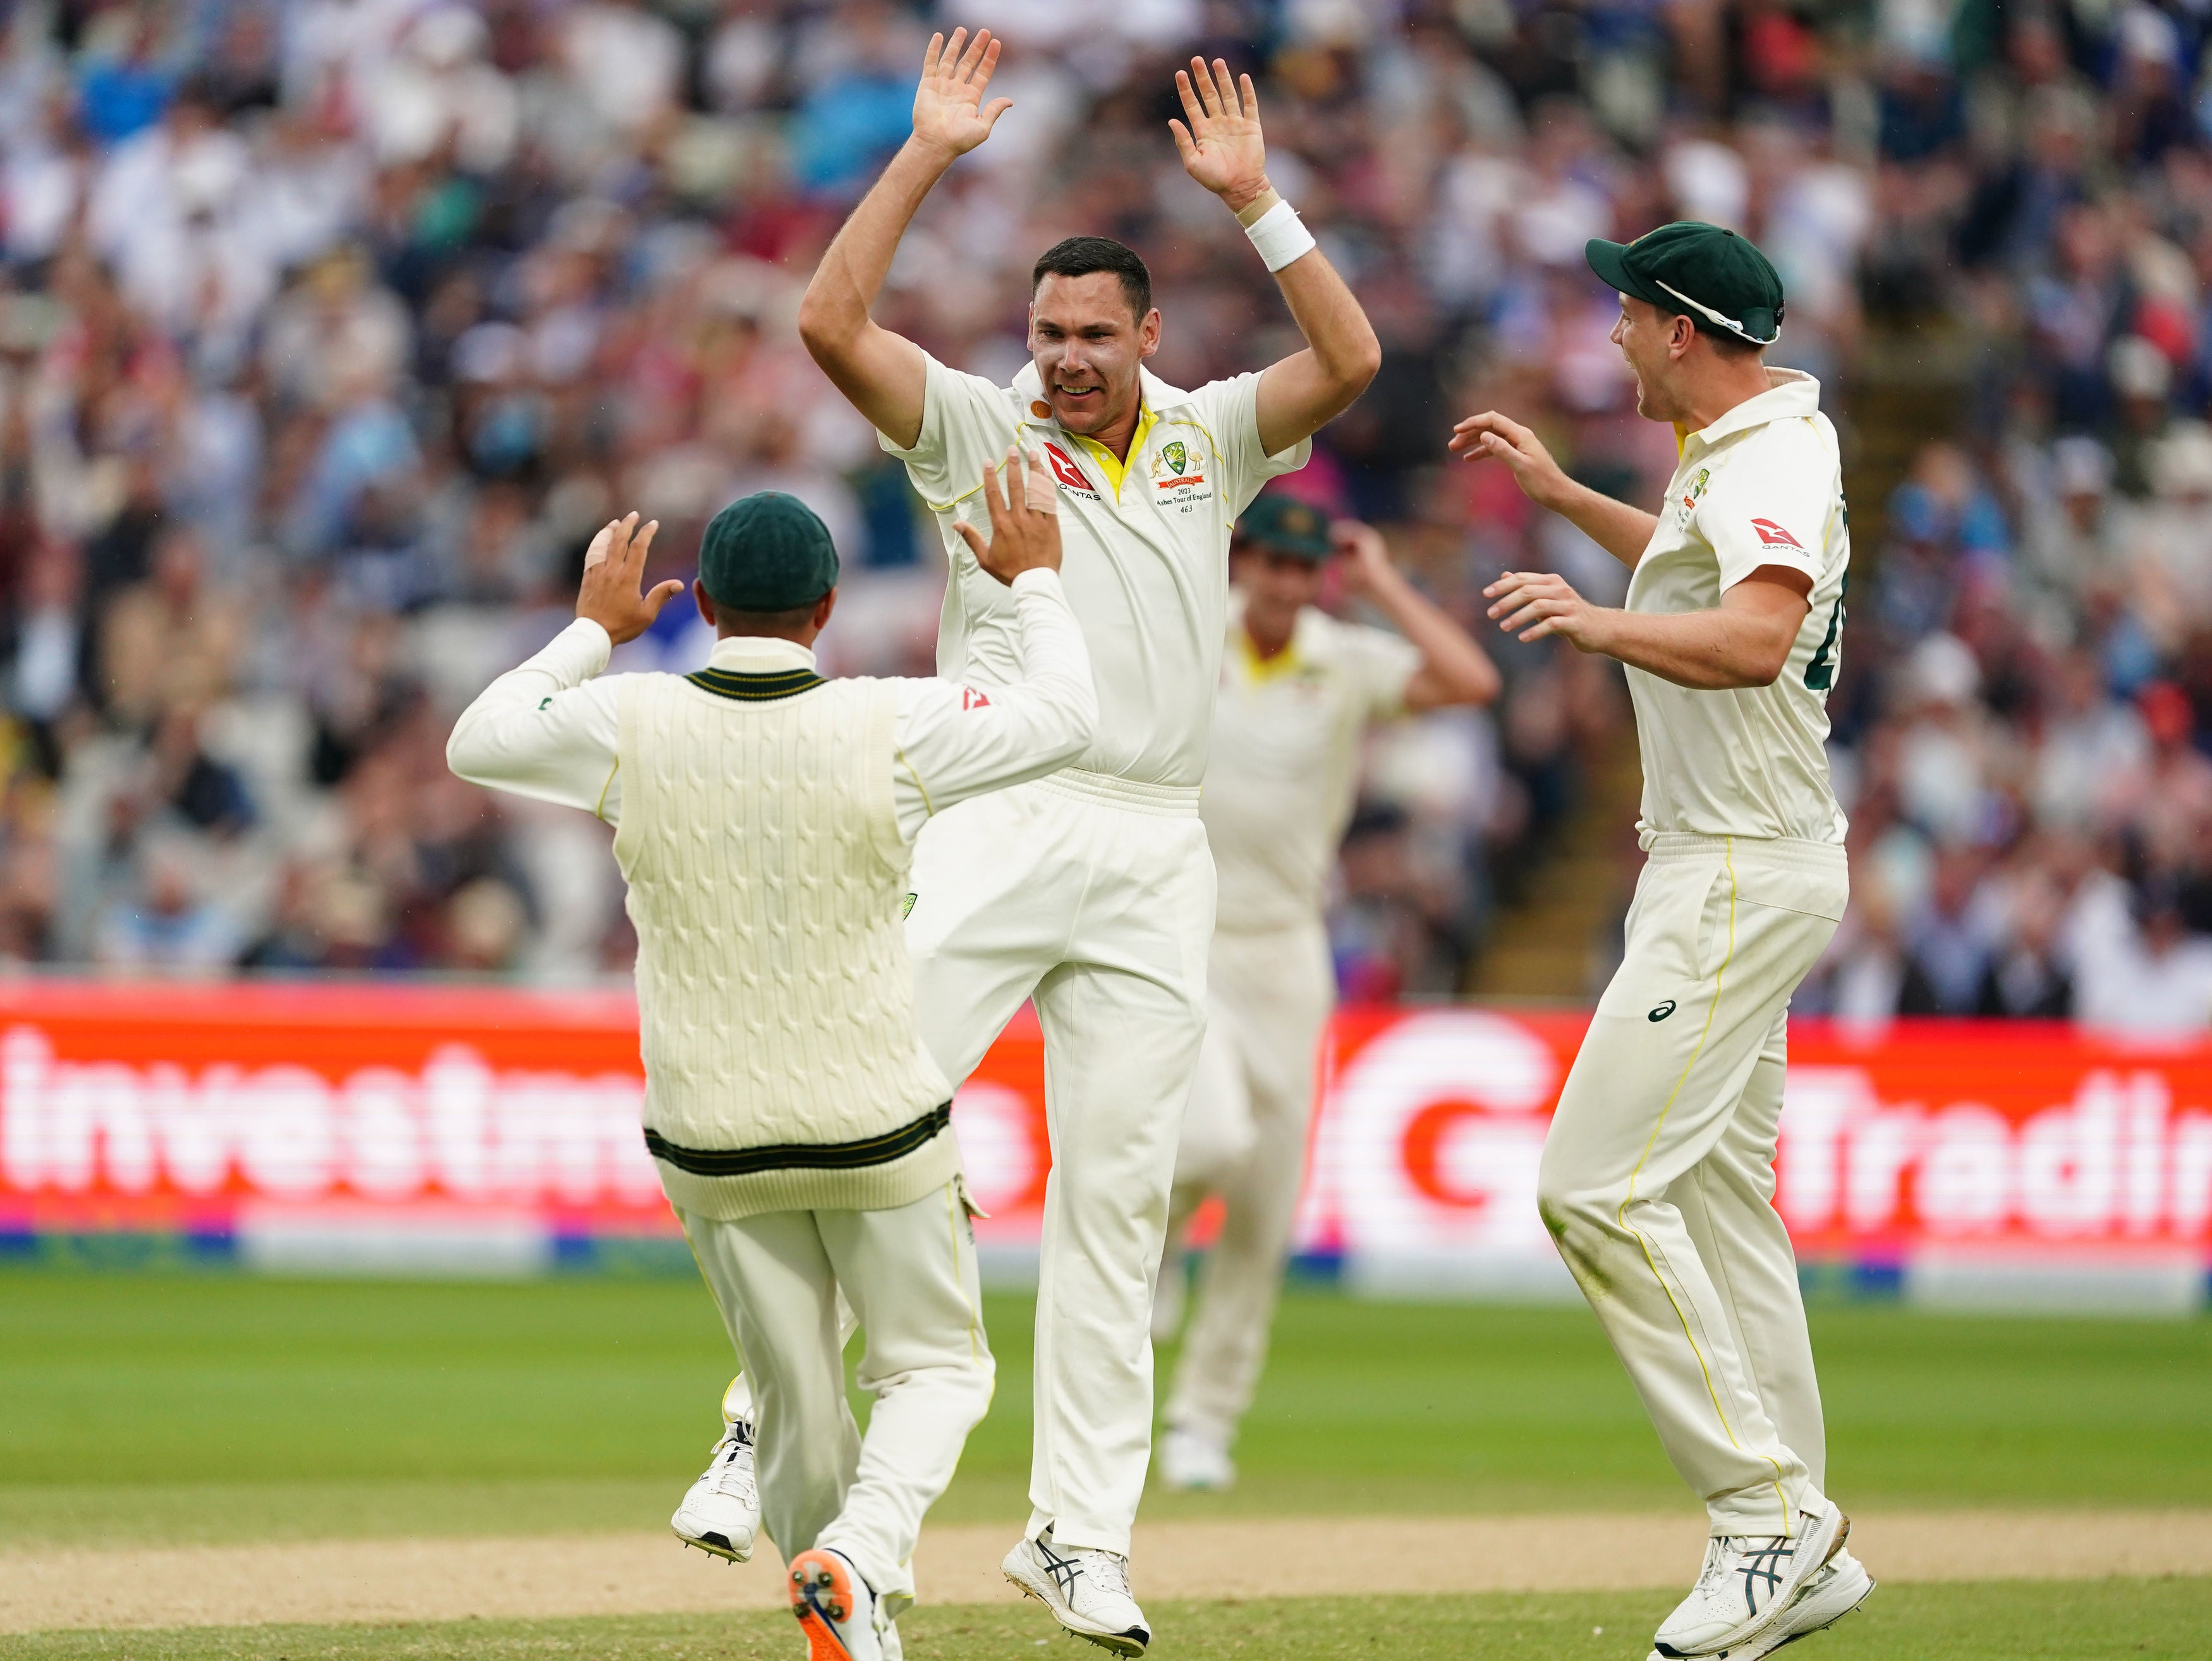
1145, 550
1763, 485
1284, 773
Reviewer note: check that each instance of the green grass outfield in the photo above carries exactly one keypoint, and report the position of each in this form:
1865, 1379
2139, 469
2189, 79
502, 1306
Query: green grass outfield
2090, 1621
182, 1407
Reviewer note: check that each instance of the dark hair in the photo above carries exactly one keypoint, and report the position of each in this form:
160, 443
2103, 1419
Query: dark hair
1079, 256
730, 620
1726, 342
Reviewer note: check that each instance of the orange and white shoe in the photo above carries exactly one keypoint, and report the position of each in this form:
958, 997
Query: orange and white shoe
836, 1609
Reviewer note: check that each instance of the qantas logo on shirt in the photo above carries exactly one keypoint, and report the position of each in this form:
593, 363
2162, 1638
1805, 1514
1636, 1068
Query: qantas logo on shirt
1771, 535
972, 699
1064, 469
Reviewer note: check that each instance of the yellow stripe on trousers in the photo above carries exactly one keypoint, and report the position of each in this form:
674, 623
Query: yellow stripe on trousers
1720, 977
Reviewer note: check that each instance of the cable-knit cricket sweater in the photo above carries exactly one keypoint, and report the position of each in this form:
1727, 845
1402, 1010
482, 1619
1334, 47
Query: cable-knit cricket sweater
776, 998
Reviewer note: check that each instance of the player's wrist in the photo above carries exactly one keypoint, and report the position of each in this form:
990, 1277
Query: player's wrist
936, 153
1278, 234
1249, 198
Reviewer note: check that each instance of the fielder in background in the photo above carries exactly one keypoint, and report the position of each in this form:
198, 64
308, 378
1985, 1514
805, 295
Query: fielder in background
1090, 890
1299, 688
765, 821
1657, 1180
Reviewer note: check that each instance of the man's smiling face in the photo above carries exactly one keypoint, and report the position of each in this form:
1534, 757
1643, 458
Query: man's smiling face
1087, 342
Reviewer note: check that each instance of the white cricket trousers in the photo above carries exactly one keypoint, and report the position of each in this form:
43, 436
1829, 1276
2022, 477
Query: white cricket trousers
1095, 896
1269, 995
1657, 1179
910, 1273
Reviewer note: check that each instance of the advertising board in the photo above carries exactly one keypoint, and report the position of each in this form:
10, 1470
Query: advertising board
488, 1130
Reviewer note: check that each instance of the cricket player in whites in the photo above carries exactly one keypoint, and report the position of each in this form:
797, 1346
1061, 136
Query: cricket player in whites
1298, 688
1658, 1177
1091, 891
765, 820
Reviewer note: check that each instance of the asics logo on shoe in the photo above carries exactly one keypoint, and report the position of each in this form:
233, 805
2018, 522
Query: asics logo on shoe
1763, 1569
1064, 1571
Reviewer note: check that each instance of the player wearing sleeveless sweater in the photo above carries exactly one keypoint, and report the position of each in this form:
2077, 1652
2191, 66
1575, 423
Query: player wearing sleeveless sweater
1091, 891
1657, 1179
765, 823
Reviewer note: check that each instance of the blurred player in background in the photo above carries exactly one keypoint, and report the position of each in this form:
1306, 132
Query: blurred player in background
765, 818
1298, 688
1657, 1182
1091, 891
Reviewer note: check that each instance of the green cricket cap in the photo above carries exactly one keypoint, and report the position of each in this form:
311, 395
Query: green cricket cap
768, 552
1283, 525
1717, 279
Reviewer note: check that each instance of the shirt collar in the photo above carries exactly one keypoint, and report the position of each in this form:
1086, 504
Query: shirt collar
759, 654
1789, 393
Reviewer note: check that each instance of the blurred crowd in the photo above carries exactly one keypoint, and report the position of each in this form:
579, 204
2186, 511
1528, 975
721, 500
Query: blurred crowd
2021, 728
330, 330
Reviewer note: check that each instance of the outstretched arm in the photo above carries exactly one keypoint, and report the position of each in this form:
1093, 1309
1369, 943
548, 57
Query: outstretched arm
1454, 668
1622, 530
884, 374
1223, 149
549, 729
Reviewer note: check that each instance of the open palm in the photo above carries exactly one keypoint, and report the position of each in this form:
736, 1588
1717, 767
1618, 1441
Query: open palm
949, 111
1221, 148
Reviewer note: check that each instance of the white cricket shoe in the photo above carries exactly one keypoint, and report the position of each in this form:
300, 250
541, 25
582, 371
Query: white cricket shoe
1087, 1591
1192, 1462
1747, 1583
836, 1609
1830, 1595
721, 1513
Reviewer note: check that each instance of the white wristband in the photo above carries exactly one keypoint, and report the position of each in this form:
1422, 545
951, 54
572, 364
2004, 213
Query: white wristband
1281, 236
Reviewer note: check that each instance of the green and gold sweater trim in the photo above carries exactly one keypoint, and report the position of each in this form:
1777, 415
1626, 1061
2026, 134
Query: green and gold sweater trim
754, 688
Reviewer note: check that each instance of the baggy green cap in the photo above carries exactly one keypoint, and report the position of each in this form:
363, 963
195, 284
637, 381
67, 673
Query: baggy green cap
768, 552
1717, 279
1283, 525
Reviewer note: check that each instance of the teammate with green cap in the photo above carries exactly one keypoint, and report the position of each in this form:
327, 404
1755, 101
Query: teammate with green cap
1658, 1174
1299, 689
765, 820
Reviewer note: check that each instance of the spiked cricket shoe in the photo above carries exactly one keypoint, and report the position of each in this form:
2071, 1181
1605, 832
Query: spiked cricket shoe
836, 1609
1192, 1462
1087, 1591
721, 1513
1748, 1582
1830, 1595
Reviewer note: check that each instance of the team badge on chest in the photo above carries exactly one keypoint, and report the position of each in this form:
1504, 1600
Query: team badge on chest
1178, 476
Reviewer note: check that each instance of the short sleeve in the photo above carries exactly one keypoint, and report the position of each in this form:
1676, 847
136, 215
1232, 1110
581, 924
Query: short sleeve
1770, 505
1382, 666
966, 422
1230, 410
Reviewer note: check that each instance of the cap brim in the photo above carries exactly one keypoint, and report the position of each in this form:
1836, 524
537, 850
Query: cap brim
1610, 261
1304, 550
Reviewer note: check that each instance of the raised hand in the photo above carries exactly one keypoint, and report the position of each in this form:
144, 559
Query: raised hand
1491, 436
1221, 148
1534, 603
613, 567
1024, 521
1366, 557
949, 112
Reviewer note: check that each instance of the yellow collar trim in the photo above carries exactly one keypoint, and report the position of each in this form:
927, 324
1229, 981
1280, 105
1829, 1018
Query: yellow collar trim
1115, 470
1259, 670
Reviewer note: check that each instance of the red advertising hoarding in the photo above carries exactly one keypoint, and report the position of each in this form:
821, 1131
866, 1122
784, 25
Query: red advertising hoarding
256, 1113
